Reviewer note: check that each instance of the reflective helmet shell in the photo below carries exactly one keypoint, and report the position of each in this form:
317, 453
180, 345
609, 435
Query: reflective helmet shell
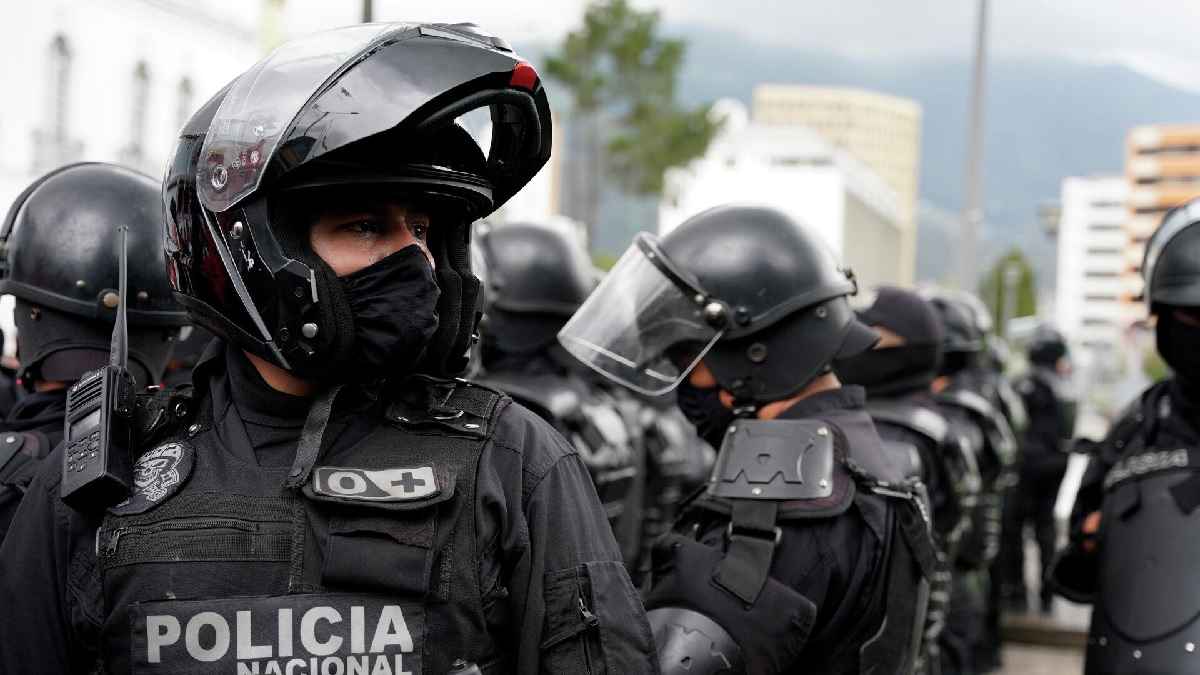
380, 91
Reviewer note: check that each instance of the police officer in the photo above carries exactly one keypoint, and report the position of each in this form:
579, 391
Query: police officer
808, 552
897, 375
328, 499
958, 393
1051, 404
998, 388
537, 277
1133, 542
64, 283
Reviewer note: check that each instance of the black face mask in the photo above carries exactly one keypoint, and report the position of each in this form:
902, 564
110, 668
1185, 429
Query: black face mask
1179, 345
702, 407
394, 303
890, 371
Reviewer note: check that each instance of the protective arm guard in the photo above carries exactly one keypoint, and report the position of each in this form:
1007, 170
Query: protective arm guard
690, 643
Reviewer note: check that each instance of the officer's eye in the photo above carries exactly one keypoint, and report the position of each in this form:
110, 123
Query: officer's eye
419, 229
362, 227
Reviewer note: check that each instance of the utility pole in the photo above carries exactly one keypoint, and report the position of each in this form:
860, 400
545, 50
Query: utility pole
368, 15
972, 215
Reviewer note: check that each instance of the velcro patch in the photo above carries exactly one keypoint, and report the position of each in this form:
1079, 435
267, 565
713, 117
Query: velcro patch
157, 474
380, 485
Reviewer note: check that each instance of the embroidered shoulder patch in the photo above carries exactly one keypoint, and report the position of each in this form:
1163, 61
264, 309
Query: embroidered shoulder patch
157, 474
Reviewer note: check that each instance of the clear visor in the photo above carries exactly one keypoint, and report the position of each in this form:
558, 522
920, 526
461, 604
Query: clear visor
1179, 219
639, 327
259, 109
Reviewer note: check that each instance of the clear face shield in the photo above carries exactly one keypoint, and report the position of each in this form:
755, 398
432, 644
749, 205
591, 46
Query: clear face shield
647, 324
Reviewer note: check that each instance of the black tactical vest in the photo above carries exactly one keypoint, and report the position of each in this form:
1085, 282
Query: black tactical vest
1147, 609
777, 472
370, 567
995, 459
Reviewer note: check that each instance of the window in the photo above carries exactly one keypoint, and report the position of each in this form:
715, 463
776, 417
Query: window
1100, 275
60, 87
1104, 227
185, 102
1103, 250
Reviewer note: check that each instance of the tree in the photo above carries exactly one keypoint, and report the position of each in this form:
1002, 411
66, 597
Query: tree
1011, 271
622, 80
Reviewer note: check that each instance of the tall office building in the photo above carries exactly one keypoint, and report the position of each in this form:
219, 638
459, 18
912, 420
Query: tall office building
1162, 167
795, 170
1091, 241
881, 131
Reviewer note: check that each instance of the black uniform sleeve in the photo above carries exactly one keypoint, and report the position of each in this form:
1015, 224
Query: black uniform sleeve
49, 589
570, 604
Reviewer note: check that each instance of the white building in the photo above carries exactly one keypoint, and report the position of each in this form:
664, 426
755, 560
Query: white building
795, 170
111, 80
1090, 243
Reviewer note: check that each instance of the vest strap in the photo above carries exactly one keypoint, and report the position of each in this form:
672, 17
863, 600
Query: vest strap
753, 536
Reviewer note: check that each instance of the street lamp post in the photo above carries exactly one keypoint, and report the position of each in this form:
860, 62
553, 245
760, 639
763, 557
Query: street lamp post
972, 215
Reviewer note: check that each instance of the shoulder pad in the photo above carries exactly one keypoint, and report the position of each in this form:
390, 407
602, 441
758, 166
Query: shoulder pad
907, 455
968, 400
549, 397
910, 416
20, 455
456, 406
775, 459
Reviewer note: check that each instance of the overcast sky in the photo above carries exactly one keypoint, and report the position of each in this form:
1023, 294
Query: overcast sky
1156, 37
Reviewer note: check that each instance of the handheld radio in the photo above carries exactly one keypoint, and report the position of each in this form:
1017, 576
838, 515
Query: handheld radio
97, 464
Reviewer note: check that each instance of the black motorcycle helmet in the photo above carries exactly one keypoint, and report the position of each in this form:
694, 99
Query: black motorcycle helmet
1046, 346
538, 277
443, 115
1171, 267
60, 260
755, 293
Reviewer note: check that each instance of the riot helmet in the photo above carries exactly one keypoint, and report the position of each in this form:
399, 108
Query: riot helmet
1171, 267
980, 314
442, 115
60, 261
962, 336
1172, 272
1046, 346
756, 294
537, 277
